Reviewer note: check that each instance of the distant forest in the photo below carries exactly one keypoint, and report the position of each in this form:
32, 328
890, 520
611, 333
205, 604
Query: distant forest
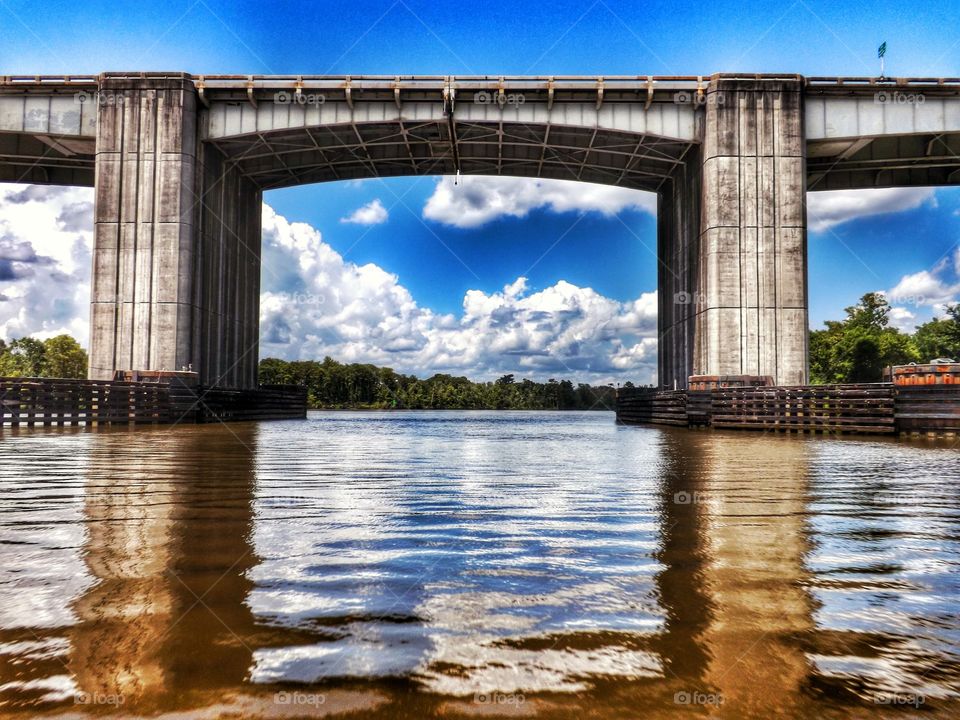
331, 384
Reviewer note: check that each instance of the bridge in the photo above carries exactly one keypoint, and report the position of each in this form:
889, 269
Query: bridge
179, 163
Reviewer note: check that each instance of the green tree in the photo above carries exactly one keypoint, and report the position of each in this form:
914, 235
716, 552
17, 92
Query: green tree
865, 360
872, 313
857, 348
23, 357
331, 384
940, 337
64, 358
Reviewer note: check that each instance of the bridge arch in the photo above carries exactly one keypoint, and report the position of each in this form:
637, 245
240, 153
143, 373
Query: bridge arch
179, 163
320, 153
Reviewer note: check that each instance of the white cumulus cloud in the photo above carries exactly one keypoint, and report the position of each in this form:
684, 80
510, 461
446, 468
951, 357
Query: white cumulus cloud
828, 208
477, 200
930, 287
931, 290
903, 319
373, 213
314, 303
46, 236
321, 304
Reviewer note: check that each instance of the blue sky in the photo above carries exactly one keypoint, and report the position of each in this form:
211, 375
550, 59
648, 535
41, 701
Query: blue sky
426, 260
456, 37
439, 263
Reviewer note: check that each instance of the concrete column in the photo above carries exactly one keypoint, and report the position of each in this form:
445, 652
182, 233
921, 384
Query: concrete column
176, 240
741, 283
678, 255
753, 246
142, 283
227, 317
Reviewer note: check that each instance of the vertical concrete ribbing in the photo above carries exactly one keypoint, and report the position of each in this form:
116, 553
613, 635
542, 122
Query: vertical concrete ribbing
230, 301
732, 240
145, 165
678, 232
753, 232
172, 222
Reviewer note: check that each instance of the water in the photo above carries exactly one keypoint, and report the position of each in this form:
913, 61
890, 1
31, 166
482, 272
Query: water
474, 564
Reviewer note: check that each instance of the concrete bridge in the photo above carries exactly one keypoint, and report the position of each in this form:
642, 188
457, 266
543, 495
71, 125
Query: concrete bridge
179, 163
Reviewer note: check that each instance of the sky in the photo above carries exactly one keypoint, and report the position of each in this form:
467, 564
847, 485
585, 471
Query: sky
495, 275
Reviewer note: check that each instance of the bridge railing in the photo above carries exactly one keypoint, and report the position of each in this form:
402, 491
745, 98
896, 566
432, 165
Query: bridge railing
414, 82
48, 79
877, 82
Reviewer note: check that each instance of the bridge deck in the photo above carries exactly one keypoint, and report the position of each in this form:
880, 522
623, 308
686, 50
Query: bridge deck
859, 131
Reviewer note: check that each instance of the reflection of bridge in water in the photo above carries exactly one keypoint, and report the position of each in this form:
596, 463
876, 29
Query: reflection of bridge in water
180, 163
181, 610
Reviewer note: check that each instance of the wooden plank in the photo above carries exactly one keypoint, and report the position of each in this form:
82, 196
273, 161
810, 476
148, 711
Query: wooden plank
30, 401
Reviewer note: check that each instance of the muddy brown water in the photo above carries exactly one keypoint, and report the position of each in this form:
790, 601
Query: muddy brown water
476, 564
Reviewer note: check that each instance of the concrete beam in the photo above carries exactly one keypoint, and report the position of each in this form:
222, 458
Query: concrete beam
884, 111
67, 113
45, 160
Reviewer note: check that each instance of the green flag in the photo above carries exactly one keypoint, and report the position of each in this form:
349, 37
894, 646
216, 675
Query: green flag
882, 50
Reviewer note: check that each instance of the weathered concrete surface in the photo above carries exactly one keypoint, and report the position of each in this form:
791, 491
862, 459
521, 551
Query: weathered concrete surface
678, 263
226, 322
890, 110
48, 135
733, 297
142, 287
67, 112
752, 318
171, 224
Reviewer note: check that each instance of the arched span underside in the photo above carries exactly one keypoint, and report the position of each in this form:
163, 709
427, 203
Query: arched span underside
281, 158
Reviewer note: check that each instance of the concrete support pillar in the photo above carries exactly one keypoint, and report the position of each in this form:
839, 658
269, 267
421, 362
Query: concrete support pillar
227, 321
754, 232
142, 282
176, 241
749, 294
678, 254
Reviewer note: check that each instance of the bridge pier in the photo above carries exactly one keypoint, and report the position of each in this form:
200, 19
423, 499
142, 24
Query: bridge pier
176, 272
678, 272
178, 199
733, 285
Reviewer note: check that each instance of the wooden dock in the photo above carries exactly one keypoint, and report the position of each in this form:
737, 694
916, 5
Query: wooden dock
865, 408
35, 402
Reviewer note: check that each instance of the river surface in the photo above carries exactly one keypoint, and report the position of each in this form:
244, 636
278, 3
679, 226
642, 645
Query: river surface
476, 564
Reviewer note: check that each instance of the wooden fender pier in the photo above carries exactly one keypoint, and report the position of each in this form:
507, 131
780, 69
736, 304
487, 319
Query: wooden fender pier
54, 402
865, 408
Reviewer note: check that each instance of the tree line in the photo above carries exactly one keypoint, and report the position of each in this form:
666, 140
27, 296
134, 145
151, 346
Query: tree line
852, 350
331, 384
